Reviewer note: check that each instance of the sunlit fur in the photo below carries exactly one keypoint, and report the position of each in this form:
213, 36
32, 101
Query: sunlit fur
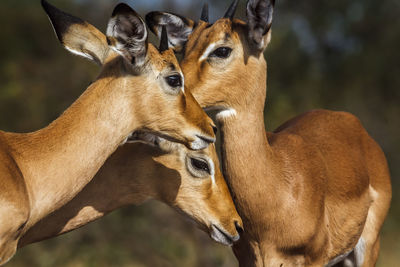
308, 191
43, 170
138, 172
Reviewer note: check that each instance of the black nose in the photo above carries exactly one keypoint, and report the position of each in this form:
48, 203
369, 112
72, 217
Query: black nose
215, 129
239, 228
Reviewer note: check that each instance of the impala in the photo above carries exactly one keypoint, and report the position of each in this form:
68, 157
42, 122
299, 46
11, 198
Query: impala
189, 181
139, 89
316, 191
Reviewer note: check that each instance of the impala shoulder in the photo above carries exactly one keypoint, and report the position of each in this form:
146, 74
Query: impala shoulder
348, 118
286, 141
330, 116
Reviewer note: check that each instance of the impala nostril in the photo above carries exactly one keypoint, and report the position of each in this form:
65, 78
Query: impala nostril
239, 227
215, 129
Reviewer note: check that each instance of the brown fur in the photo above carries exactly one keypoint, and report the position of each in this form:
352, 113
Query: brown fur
308, 191
137, 172
302, 192
43, 170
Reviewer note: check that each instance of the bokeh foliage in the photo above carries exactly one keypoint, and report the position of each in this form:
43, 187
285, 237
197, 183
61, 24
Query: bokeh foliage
340, 55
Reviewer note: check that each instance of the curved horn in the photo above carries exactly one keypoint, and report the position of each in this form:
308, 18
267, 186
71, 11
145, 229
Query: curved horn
204, 13
231, 10
164, 39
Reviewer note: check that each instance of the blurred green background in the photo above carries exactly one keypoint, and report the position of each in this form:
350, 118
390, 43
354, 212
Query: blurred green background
340, 55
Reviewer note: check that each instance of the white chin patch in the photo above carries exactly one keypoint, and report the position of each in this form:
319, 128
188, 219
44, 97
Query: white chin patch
359, 252
358, 259
220, 237
146, 138
227, 113
199, 144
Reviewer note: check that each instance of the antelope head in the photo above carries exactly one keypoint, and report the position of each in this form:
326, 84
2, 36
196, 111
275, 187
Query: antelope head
150, 79
191, 182
223, 62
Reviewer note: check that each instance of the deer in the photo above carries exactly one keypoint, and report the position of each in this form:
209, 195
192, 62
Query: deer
140, 89
315, 191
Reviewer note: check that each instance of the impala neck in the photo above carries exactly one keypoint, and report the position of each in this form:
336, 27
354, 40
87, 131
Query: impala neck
121, 181
247, 156
59, 160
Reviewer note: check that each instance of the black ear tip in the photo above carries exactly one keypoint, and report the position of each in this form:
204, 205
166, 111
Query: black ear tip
44, 3
122, 8
150, 18
153, 15
47, 6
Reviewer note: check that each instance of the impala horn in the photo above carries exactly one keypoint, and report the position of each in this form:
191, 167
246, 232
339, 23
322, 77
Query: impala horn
164, 40
230, 13
204, 13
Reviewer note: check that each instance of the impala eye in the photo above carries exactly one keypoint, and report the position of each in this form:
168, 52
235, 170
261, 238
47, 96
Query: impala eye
200, 165
222, 52
174, 80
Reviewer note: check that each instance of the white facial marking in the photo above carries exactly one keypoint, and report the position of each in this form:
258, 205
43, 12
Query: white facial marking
227, 113
208, 51
183, 83
212, 170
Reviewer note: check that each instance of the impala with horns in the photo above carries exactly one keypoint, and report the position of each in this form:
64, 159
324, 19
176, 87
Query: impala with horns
139, 89
316, 191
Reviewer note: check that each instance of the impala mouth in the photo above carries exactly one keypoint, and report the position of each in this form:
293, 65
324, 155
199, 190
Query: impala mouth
154, 139
201, 142
145, 137
222, 237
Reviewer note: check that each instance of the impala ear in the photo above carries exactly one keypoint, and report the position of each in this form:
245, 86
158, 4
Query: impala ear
178, 28
76, 35
259, 15
127, 34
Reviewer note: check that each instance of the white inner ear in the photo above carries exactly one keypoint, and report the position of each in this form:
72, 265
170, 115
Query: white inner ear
178, 38
174, 20
73, 51
111, 26
136, 44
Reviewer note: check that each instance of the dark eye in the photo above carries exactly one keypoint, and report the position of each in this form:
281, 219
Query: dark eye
174, 80
222, 52
200, 165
